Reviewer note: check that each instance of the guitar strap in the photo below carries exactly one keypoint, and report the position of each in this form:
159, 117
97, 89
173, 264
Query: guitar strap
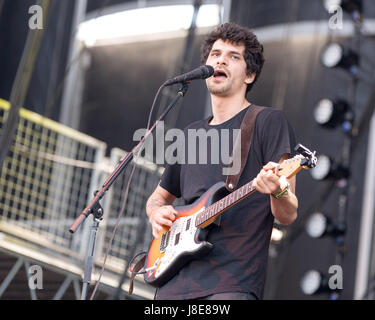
242, 147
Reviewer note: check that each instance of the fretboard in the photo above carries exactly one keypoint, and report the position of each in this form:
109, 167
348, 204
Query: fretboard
225, 203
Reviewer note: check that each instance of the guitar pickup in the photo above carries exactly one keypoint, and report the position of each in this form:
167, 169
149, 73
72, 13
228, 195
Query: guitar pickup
177, 239
164, 241
188, 224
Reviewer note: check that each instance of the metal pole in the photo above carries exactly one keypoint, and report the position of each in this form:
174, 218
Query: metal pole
8, 279
70, 108
89, 259
21, 83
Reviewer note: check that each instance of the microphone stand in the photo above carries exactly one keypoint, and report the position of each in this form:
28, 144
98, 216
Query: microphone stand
95, 208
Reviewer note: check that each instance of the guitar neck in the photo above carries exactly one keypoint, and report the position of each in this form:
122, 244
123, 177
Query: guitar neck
288, 168
225, 203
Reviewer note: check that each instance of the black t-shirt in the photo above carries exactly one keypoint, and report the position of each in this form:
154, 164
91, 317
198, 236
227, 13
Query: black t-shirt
238, 260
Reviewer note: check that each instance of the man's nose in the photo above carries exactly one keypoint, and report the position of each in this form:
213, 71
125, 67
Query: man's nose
222, 60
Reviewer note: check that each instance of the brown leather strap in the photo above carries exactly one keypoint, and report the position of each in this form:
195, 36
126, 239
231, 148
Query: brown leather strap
134, 271
242, 149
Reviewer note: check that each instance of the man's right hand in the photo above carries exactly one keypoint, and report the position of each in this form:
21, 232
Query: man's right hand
162, 217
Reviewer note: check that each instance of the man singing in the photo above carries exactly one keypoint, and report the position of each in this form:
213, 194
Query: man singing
235, 269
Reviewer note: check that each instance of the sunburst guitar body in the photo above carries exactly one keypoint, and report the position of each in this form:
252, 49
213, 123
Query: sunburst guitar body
183, 241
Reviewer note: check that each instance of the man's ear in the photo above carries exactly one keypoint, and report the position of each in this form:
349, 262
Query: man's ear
250, 78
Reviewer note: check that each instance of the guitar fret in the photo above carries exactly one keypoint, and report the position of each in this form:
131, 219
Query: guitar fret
239, 191
250, 187
235, 197
225, 202
220, 205
230, 198
211, 211
244, 190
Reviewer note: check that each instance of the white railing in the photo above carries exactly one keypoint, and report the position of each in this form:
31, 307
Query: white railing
49, 177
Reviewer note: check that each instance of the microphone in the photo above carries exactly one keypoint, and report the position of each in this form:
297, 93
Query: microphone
202, 72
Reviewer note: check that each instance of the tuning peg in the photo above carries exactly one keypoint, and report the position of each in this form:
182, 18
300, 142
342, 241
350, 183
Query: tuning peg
310, 157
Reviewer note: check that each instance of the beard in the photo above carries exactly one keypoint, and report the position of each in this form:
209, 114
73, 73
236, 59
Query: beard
220, 89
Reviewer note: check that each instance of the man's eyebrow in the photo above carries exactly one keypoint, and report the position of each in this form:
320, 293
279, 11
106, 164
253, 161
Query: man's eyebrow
232, 52
236, 52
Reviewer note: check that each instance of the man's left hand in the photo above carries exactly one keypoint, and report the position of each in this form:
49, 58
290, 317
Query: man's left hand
267, 181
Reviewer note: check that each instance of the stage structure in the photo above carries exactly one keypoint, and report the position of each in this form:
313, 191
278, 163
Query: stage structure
87, 96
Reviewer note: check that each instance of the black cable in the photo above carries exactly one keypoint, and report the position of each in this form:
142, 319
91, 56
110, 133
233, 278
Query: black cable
126, 193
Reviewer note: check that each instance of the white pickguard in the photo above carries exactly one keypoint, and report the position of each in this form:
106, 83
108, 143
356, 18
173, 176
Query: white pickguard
186, 242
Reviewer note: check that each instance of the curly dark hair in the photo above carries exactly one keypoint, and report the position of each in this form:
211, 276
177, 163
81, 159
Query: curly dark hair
238, 35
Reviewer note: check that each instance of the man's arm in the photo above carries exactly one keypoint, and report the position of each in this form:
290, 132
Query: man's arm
159, 210
285, 208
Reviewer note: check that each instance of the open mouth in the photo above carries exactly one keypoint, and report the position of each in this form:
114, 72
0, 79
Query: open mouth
220, 73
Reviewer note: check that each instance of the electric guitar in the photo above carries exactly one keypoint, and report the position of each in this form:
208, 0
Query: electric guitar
185, 239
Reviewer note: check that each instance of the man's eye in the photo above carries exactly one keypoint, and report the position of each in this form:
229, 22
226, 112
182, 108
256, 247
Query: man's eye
235, 57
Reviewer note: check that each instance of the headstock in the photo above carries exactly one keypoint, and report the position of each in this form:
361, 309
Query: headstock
310, 160
304, 159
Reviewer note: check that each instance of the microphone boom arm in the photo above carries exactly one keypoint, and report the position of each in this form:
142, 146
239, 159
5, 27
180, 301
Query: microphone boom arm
94, 206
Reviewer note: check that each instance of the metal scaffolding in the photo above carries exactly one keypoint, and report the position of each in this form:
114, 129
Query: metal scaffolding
48, 177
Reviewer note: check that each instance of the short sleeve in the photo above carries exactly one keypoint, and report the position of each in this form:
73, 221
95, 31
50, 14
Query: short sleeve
170, 179
277, 137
